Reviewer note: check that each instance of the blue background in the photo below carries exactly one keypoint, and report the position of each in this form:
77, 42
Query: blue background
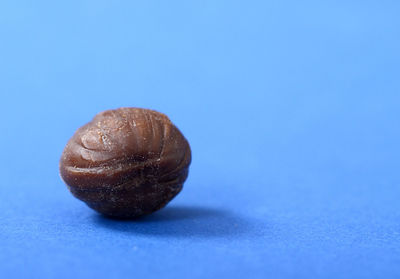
291, 108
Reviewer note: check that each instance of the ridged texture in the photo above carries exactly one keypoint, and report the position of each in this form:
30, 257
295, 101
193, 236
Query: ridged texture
126, 162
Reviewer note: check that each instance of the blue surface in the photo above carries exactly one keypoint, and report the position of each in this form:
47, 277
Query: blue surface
292, 110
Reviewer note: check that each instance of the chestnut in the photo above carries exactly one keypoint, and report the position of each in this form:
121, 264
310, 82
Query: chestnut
126, 162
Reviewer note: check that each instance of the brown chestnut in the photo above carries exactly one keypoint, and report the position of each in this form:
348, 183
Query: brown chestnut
126, 162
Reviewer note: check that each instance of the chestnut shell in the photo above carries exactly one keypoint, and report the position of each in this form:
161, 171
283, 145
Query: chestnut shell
126, 162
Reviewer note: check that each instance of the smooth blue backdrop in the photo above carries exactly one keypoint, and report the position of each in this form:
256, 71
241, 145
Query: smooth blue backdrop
291, 108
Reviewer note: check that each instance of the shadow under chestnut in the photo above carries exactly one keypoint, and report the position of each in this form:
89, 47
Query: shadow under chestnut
180, 221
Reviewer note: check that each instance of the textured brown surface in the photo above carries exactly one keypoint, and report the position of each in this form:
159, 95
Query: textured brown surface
126, 162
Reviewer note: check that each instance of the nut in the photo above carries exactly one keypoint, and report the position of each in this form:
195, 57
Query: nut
127, 162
